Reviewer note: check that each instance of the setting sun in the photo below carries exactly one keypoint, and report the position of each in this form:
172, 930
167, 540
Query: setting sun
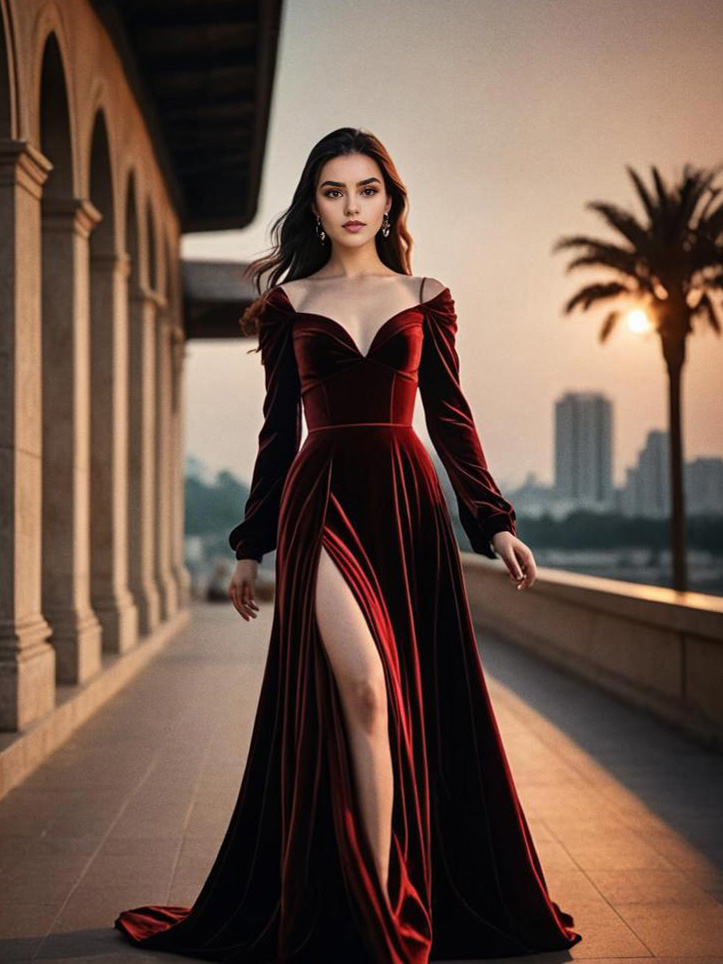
638, 322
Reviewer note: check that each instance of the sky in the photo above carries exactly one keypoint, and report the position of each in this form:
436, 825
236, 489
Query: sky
505, 118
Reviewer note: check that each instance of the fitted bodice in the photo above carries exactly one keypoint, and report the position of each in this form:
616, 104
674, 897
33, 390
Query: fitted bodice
312, 362
340, 385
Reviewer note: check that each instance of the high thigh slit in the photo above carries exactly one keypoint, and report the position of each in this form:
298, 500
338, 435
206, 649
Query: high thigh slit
350, 605
295, 879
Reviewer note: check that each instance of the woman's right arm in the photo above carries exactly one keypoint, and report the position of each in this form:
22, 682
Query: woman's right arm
278, 440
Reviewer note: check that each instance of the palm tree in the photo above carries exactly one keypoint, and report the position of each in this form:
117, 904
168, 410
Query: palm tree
670, 265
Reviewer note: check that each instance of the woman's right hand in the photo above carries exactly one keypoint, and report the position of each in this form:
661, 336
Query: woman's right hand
243, 588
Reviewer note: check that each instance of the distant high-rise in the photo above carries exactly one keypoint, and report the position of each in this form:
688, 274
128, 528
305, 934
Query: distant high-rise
583, 450
654, 477
704, 486
646, 491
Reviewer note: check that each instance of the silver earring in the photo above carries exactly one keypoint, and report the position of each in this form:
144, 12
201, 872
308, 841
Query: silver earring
386, 225
320, 233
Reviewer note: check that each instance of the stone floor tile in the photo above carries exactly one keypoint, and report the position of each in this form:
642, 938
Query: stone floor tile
676, 929
649, 887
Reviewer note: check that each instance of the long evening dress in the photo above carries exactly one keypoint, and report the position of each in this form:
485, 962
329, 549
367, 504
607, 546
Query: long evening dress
295, 880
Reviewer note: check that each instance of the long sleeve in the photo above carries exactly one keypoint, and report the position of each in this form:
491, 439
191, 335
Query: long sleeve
483, 510
278, 440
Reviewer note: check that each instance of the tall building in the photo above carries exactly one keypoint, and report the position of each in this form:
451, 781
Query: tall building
704, 486
583, 450
653, 473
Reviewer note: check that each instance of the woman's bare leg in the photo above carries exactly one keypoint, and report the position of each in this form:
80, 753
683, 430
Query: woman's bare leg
359, 675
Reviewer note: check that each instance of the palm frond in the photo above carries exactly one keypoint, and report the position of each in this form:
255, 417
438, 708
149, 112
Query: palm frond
593, 293
607, 326
706, 308
649, 204
625, 223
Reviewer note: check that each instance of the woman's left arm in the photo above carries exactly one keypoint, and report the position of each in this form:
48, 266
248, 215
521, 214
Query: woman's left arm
486, 516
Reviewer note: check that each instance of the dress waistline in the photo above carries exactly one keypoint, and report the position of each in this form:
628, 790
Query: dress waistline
326, 428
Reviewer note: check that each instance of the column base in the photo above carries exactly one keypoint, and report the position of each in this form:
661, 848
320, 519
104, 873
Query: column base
183, 583
27, 673
169, 595
77, 641
148, 603
119, 618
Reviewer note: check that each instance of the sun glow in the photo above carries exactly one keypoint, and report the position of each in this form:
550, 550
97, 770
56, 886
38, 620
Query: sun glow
638, 322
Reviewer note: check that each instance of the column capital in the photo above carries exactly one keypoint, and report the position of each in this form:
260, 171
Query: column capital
70, 213
23, 165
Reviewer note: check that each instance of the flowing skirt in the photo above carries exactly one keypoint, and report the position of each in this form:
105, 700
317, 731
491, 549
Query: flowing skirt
295, 880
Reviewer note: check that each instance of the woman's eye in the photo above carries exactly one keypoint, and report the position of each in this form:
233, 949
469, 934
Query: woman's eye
335, 190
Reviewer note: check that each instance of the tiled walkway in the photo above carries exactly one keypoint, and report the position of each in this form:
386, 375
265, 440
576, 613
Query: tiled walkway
626, 815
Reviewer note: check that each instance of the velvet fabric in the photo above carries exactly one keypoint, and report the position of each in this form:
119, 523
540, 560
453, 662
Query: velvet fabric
294, 880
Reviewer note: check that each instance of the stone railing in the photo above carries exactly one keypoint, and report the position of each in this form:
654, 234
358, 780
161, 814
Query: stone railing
655, 648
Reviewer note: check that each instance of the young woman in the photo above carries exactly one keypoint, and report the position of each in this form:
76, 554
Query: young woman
377, 818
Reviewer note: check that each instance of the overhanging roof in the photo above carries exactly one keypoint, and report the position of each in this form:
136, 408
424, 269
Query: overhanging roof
215, 295
202, 72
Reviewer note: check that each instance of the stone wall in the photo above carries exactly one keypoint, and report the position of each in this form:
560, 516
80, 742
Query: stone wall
91, 363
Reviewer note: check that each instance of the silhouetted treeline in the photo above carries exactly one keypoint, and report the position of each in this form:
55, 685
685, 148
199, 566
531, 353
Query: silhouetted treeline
213, 510
592, 530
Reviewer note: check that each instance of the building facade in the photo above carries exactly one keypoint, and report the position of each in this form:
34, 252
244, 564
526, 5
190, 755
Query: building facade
94, 196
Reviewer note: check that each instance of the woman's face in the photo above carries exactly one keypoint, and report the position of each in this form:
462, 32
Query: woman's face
351, 188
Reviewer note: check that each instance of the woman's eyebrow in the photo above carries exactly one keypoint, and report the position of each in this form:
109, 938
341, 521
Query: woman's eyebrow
367, 180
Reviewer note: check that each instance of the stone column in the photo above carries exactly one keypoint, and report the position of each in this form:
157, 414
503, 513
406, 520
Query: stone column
164, 493
67, 224
142, 457
110, 595
178, 566
27, 661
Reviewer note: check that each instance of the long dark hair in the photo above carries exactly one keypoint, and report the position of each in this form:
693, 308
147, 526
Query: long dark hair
295, 249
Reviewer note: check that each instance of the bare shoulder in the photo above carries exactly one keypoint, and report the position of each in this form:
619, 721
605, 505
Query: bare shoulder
432, 288
295, 291
292, 287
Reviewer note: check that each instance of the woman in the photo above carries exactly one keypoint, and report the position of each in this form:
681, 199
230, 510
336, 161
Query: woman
377, 818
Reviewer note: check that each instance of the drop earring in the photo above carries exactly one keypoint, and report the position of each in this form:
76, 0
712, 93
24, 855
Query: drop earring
320, 233
386, 225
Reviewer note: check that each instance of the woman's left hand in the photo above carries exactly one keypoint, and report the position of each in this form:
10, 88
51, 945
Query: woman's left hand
517, 557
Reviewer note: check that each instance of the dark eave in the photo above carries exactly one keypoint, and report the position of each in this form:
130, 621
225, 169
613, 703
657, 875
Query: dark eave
202, 72
215, 295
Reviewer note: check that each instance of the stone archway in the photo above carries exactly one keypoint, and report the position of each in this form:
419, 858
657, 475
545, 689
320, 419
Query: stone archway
141, 418
178, 351
66, 225
164, 515
110, 595
27, 661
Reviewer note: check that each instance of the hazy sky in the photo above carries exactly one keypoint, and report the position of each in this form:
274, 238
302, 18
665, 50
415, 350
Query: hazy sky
504, 117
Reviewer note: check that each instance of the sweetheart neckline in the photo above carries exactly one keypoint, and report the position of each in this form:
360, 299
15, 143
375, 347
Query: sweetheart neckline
345, 330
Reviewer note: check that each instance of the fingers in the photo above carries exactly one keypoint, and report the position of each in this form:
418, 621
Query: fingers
243, 600
522, 567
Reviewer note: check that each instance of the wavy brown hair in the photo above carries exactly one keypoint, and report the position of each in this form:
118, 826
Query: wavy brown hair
295, 248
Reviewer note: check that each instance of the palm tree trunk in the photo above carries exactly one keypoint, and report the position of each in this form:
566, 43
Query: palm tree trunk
677, 533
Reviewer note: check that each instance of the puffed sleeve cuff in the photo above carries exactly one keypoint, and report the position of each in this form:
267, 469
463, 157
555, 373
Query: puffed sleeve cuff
480, 531
244, 548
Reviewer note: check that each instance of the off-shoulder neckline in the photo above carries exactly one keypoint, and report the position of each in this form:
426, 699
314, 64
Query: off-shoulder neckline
420, 304
377, 334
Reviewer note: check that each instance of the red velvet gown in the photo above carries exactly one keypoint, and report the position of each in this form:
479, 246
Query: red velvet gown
294, 880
